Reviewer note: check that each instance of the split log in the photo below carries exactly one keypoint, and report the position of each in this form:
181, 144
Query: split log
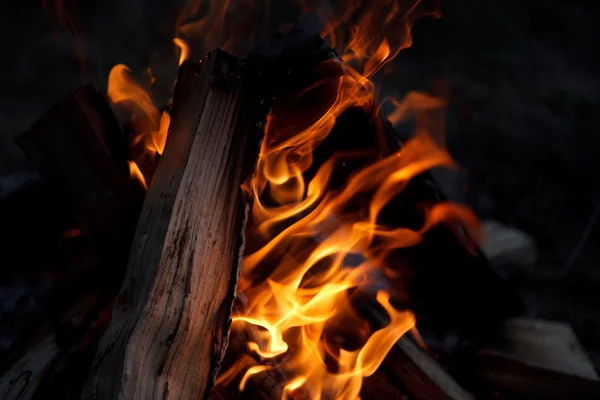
171, 321
80, 147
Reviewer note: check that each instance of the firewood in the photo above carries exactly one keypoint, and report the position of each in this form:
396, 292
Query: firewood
80, 147
171, 321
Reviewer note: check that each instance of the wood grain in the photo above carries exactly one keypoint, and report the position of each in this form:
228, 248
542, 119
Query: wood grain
171, 322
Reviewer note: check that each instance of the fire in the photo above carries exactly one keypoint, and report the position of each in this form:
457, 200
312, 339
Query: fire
150, 127
312, 248
317, 249
184, 49
136, 174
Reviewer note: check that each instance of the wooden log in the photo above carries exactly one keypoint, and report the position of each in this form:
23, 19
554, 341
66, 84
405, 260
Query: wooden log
171, 321
80, 147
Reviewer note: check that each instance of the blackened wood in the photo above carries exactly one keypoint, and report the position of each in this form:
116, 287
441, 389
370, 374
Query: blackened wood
171, 321
79, 146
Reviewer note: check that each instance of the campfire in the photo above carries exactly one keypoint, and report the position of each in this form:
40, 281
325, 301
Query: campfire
288, 240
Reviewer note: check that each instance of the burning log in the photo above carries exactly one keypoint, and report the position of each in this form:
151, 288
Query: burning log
79, 146
289, 64
171, 321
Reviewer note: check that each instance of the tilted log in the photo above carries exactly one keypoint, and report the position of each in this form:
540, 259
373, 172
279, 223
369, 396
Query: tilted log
171, 321
80, 147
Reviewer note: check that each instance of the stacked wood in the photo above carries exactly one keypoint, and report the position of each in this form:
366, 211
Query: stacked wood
171, 321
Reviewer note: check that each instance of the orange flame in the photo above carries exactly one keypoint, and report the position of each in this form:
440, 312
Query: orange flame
312, 247
136, 174
133, 102
316, 251
184, 49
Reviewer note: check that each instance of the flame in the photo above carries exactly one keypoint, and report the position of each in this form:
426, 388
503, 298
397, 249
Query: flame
134, 104
316, 248
184, 49
312, 247
136, 174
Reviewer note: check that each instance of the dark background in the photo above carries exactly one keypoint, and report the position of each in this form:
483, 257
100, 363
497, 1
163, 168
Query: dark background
523, 88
